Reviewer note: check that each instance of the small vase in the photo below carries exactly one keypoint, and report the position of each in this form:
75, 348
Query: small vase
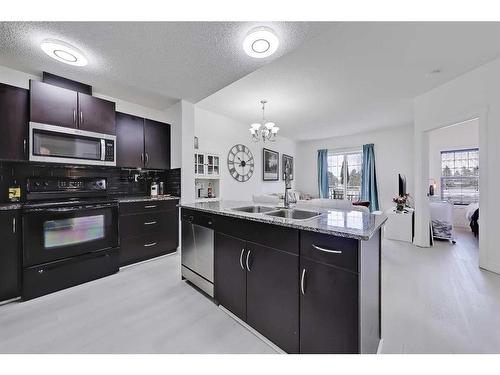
400, 208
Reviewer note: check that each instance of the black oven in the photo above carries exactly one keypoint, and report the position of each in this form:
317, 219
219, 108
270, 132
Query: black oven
53, 232
70, 233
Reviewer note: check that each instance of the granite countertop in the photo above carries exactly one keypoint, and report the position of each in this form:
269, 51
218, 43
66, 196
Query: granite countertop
124, 199
145, 198
343, 223
10, 206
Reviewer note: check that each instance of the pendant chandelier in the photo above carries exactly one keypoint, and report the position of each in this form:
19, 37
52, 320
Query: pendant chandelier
264, 130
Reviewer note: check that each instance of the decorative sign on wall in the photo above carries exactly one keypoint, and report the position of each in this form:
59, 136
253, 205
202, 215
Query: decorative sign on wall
270, 165
284, 159
240, 163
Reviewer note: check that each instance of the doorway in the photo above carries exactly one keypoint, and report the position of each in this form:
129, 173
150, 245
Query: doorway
453, 188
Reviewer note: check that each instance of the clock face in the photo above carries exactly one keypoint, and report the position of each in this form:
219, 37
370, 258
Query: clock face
240, 162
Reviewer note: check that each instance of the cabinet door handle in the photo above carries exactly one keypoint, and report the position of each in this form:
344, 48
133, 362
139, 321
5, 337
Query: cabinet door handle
327, 250
241, 259
13, 225
150, 222
150, 244
303, 282
24, 146
248, 257
142, 158
81, 117
147, 158
150, 206
74, 116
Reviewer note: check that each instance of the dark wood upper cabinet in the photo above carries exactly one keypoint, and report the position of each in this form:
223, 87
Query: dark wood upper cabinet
53, 105
142, 143
129, 141
273, 295
329, 312
14, 117
230, 274
10, 255
156, 144
95, 114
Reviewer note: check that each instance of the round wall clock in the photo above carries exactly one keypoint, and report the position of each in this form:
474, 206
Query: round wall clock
240, 162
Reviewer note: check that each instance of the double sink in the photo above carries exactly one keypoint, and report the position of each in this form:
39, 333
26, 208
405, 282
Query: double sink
286, 213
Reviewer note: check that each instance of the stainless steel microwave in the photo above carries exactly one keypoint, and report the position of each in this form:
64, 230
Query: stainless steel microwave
57, 144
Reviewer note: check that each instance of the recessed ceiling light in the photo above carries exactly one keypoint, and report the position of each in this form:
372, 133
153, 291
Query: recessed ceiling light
63, 52
261, 42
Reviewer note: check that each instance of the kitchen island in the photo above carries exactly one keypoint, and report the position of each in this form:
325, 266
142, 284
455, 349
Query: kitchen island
308, 278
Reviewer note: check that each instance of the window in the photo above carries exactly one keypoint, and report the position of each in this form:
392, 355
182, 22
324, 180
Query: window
344, 174
460, 176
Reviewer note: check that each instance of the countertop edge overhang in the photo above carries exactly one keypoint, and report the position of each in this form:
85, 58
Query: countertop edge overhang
367, 223
120, 199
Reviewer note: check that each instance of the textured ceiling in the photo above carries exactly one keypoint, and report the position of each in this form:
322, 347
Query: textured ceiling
150, 63
357, 76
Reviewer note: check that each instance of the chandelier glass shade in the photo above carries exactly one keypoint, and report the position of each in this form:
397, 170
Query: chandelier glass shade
265, 130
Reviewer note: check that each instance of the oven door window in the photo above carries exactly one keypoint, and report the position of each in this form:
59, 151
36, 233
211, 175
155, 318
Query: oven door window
73, 231
54, 234
65, 145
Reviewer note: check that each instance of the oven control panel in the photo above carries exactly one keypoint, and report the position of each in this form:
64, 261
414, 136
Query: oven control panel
65, 184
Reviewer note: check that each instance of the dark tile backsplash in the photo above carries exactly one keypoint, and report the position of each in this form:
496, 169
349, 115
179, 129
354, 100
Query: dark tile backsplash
120, 181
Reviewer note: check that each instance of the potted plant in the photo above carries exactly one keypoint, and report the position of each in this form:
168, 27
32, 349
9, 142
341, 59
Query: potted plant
400, 202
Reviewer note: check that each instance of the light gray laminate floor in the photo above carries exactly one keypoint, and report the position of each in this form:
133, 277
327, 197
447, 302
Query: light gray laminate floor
435, 300
145, 308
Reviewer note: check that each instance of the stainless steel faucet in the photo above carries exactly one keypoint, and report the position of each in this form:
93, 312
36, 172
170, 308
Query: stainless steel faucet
288, 185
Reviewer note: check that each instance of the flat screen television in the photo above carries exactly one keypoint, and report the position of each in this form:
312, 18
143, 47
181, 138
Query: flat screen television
402, 184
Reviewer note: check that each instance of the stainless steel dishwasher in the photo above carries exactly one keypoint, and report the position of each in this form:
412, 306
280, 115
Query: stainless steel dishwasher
197, 251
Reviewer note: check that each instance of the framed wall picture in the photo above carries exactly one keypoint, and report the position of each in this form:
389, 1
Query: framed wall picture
286, 159
270, 165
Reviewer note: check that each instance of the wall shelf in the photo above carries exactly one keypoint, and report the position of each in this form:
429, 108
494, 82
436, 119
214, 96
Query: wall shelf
207, 176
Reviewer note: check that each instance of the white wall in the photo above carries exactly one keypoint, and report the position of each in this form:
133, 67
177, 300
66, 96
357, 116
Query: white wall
393, 155
187, 148
217, 133
474, 94
173, 115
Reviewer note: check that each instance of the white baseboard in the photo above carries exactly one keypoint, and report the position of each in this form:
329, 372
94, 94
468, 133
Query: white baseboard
10, 300
264, 339
380, 345
147, 260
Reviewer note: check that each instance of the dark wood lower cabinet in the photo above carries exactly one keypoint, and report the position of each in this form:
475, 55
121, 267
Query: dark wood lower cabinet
322, 297
147, 230
10, 255
273, 295
329, 315
230, 274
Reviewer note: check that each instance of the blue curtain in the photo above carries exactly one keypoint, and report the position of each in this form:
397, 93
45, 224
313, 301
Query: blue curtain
369, 178
323, 173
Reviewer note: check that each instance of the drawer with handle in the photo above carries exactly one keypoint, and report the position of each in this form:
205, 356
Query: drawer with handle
333, 250
147, 206
144, 247
142, 224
